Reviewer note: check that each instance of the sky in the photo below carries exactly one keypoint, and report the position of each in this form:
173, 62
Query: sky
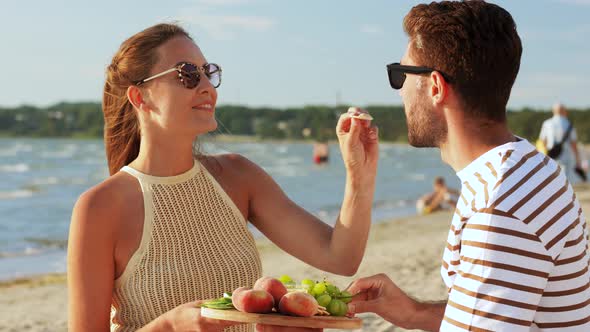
278, 53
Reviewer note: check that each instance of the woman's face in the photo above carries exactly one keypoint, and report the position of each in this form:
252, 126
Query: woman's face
175, 110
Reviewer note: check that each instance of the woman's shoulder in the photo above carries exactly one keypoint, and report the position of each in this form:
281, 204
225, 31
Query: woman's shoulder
111, 200
235, 173
228, 164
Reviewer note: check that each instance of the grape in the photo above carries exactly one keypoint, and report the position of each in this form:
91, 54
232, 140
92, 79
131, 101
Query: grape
345, 297
285, 279
332, 290
324, 300
308, 282
319, 288
308, 285
337, 308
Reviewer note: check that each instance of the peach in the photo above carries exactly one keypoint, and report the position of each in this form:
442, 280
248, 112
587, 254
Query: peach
239, 290
252, 300
298, 304
273, 286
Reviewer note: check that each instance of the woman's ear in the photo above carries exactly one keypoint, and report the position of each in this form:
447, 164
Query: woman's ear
439, 88
135, 97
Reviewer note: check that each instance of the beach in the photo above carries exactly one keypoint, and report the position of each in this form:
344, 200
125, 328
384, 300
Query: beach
409, 250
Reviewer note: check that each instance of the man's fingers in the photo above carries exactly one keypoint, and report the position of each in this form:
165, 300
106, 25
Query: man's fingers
360, 296
363, 285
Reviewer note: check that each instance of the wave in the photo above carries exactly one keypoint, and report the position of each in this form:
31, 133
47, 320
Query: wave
13, 150
38, 246
44, 181
16, 168
22, 193
65, 154
66, 151
48, 243
383, 204
416, 176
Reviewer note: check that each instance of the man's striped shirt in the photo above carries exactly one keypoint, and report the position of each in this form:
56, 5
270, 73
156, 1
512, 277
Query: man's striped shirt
517, 255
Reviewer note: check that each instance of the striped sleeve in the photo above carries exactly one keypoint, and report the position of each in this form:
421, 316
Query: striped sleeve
501, 274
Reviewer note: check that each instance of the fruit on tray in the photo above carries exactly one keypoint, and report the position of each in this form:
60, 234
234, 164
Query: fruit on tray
298, 304
285, 295
252, 300
273, 286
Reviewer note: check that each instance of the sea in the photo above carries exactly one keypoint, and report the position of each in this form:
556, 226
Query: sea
41, 179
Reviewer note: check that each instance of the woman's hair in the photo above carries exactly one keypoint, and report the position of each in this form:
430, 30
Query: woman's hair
132, 63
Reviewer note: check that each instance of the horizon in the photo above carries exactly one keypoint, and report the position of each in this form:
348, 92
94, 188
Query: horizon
548, 108
334, 58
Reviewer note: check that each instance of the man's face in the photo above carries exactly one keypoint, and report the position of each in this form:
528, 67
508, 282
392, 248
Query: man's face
426, 128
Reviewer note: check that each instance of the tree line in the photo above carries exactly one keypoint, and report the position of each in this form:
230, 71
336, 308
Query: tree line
309, 122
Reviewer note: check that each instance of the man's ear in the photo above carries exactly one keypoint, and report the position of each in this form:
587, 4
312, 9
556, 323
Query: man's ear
439, 88
135, 97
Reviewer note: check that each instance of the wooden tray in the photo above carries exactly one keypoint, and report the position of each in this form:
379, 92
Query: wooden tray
326, 322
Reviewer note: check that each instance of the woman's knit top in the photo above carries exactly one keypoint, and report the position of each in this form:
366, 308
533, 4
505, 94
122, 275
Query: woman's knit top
195, 245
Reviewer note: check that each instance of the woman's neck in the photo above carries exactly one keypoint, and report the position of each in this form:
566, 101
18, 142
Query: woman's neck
164, 157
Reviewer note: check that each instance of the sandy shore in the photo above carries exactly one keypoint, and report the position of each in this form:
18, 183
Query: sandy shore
409, 250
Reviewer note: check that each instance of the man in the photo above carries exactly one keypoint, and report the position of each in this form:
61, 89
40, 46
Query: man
553, 132
441, 198
516, 257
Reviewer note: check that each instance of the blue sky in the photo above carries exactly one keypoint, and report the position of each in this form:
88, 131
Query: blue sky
274, 52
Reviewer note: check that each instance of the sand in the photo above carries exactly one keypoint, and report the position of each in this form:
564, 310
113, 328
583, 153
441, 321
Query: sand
408, 250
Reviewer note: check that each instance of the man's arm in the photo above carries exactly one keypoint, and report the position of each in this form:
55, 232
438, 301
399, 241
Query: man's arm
380, 295
428, 316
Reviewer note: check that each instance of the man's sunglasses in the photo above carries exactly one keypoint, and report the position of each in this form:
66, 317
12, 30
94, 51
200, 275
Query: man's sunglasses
397, 73
190, 74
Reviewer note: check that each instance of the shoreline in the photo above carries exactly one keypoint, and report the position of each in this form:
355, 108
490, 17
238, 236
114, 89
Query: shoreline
263, 244
380, 231
409, 250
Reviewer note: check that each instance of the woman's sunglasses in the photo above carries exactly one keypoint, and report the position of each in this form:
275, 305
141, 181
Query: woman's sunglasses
190, 74
397, 73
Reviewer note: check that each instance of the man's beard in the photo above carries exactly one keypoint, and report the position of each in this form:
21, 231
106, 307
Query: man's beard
425, 128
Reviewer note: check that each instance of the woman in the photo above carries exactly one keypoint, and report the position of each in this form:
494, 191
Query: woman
167, 228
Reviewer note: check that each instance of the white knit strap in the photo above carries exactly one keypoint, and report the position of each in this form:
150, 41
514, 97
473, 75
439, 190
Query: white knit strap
175, 179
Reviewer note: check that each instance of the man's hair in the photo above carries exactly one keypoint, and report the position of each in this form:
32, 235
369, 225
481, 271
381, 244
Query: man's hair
439, 180
475, 44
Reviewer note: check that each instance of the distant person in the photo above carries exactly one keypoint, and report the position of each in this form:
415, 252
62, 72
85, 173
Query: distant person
559, 139
441, 198
321, 152
169, 227
516, 255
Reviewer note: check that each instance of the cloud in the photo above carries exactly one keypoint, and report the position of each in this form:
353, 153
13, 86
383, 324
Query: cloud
226, 27
538, 89
221, 2
572, 34
371, 29
576, 2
